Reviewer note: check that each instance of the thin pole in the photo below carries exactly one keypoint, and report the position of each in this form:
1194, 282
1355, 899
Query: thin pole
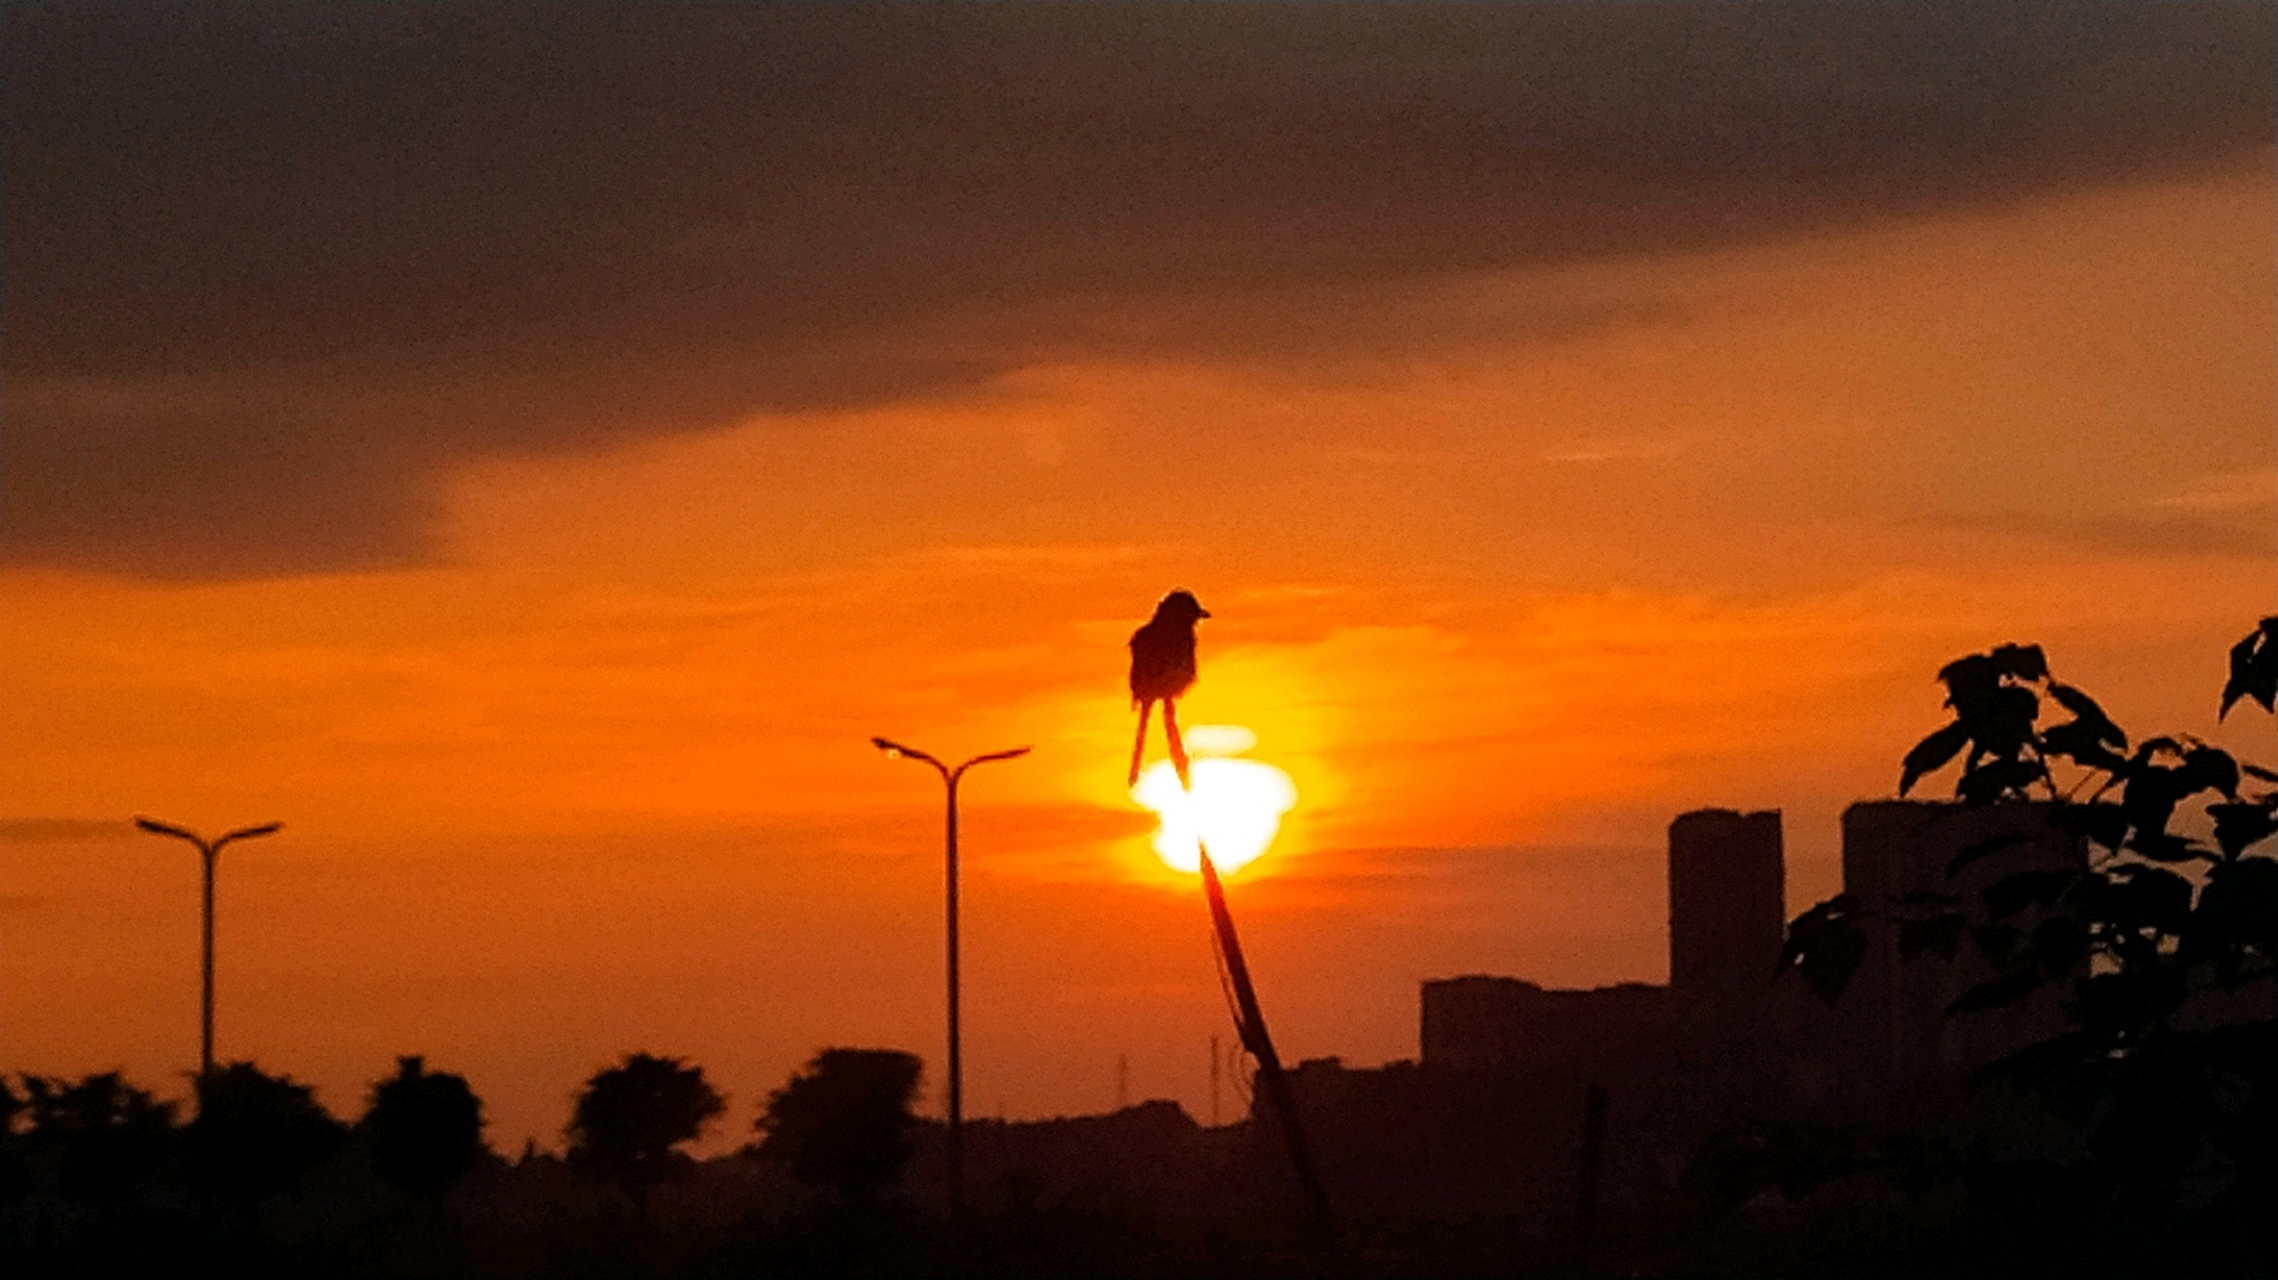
209, 854
956, 1048
1252, 1029
949, 780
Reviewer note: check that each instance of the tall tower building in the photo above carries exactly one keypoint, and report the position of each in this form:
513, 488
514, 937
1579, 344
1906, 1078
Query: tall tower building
1727, 919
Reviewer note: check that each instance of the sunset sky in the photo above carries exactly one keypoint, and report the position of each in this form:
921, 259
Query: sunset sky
529, 452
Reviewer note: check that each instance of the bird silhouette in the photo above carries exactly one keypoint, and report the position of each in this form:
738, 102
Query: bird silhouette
1162, 669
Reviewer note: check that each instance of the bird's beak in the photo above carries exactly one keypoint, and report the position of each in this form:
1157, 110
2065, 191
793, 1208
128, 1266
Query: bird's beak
1201, 612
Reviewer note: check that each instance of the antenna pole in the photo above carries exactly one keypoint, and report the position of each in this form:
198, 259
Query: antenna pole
1255, 1038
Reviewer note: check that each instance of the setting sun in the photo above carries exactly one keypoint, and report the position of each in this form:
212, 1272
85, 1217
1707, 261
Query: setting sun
1235, 807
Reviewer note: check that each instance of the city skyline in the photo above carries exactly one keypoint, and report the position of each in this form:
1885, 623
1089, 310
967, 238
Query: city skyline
534, 466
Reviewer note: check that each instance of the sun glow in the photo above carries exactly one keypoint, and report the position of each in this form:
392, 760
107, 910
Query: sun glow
1235, 807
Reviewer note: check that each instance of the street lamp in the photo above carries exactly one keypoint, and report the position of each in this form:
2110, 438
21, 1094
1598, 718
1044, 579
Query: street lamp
949, 779
208, 851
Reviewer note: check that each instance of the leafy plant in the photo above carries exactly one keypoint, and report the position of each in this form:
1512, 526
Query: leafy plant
2152, 911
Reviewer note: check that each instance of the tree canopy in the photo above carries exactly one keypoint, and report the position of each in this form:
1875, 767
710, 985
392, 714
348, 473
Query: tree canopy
424, 1127
256, 1134
97, 1138
843, 1122
629, 1120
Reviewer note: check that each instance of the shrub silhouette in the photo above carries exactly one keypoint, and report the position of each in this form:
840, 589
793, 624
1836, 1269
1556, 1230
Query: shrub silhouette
15, 1174
629, 1119
256, 1135
844, 1121
2144, 921
424, 1128
95, 1140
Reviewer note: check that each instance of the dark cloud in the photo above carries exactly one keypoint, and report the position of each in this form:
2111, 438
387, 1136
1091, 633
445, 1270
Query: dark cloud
2246, 536
271, 270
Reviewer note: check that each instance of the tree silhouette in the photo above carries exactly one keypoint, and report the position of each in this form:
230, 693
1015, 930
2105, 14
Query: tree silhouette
15, 1172
629, 1118
424, 1128
256, 1135
843, 1122
97, 1139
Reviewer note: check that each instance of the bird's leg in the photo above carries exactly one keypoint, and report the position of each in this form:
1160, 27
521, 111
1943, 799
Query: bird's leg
1178, 748
1139, 744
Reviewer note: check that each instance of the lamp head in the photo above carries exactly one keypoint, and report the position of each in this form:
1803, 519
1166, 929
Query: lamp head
903, 751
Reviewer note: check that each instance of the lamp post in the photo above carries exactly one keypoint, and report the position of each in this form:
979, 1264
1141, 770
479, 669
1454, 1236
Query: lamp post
949, 779
208, 852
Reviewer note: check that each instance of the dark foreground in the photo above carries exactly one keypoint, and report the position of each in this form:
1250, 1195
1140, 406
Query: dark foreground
1138, 1194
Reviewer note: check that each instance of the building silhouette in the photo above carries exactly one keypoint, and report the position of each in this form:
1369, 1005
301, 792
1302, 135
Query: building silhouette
1489, 1119
1724, 1029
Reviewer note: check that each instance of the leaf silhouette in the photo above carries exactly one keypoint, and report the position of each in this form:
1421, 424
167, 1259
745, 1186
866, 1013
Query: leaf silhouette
1969, 682
2024, 661
2242, 824
2209, 769
2150, 800
2133, 997
1940, 933
2008, 720
1985, 848
2140, 897
2161, 846
2083, 743
2240, 904
2100, 822
2012, 894
2254, 669
2009, 988
2087, 714
1932, 753
1997, 779
1825, 946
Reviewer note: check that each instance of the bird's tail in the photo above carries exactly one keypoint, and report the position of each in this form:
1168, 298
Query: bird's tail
1178, 748
1139, 744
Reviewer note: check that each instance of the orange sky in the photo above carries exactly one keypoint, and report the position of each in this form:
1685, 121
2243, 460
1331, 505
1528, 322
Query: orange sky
1508, 565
